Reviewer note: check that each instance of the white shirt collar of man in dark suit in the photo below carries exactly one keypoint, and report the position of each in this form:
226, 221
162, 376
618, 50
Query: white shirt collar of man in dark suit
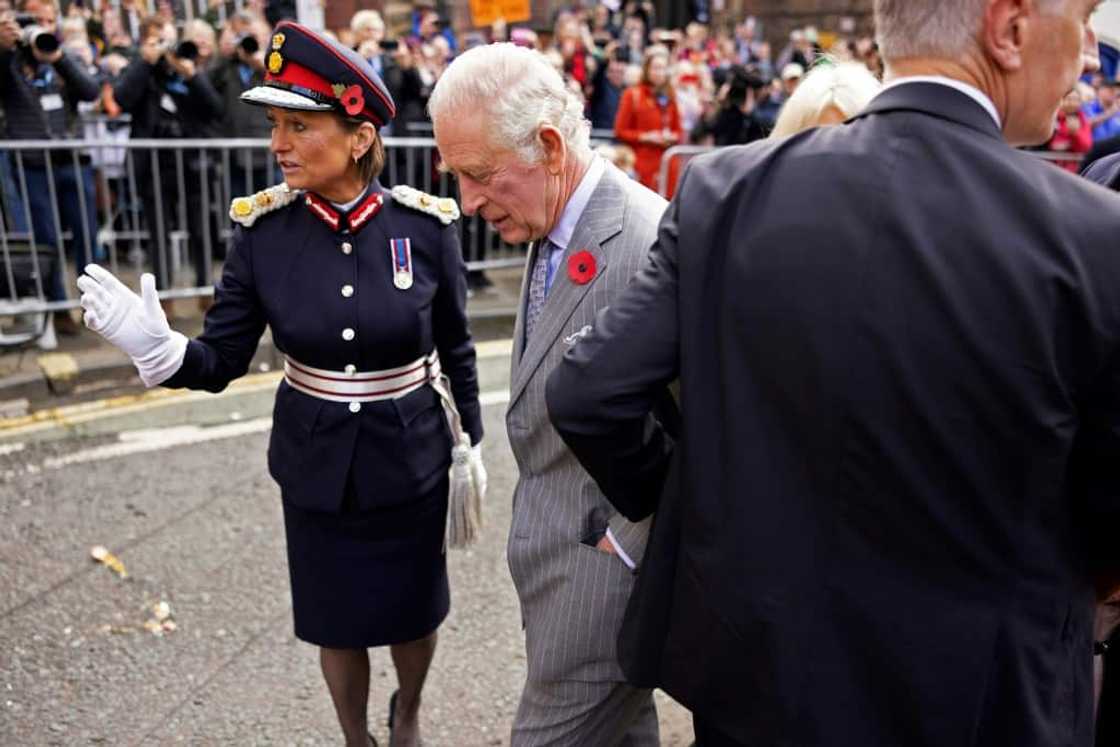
971, 91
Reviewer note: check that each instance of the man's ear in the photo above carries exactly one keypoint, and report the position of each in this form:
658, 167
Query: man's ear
555, 149
1007, 27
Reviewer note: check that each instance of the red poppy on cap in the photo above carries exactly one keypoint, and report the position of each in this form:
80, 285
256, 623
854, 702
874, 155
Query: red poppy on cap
352, 100
581, 267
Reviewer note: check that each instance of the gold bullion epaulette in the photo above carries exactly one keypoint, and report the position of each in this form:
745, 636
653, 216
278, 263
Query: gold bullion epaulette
443, 208
246, 210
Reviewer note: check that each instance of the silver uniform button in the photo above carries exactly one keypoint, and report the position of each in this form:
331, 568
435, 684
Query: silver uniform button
347, 291
355, 406
348, 334
347, 247
350, 369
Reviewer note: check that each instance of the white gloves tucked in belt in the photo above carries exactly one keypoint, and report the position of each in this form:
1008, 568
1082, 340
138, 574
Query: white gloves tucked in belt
135, 324
478, 470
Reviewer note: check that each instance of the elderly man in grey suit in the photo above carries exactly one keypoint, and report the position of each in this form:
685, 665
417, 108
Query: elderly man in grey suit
515, 138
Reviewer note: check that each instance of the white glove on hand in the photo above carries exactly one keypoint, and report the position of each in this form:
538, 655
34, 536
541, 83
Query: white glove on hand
135, 324
478, 470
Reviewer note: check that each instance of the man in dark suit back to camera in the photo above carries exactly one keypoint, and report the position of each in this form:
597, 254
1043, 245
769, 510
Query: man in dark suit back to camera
898, 472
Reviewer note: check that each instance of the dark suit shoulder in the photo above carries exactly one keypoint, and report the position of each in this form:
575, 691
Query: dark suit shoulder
1105, 171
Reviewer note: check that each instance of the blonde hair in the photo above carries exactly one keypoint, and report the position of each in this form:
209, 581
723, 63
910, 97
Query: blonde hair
845, 88
364, 19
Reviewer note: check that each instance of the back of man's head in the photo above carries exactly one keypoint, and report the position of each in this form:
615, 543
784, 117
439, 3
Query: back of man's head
521, 92
926, 28
1024, 55
931, 28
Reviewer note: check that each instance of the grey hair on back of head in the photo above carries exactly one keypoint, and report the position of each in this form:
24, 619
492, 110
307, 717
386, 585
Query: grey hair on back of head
931, 28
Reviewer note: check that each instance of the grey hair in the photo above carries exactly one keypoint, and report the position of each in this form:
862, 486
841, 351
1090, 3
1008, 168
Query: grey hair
931, 28
520, 91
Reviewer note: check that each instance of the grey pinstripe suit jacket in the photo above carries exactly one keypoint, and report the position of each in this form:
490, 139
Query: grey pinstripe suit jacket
572, 595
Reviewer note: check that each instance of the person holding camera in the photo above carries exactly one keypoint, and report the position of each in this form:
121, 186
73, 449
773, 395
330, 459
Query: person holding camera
740, 114
607, 87
396, 65
168, 96
40, 87
240, 67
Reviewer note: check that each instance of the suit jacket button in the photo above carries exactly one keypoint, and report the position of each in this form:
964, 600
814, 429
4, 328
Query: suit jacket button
347, 247
348, 334
355, 406
350, 369
347, 291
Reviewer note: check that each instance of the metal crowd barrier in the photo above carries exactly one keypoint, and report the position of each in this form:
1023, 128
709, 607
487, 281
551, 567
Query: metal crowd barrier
161, 205
684, 153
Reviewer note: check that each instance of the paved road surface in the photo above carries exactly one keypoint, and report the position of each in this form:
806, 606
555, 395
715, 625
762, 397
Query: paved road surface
177, 486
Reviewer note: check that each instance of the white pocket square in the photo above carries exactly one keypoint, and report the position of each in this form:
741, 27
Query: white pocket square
575, 337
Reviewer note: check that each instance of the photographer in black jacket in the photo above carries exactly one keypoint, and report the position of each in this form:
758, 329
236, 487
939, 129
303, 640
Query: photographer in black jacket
168, 97
738, 120
238, 67
40, 87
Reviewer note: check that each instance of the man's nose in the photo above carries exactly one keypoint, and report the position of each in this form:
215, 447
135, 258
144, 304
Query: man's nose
470, 197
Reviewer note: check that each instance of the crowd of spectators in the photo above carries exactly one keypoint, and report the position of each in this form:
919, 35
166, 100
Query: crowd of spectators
646, 87
1088, 125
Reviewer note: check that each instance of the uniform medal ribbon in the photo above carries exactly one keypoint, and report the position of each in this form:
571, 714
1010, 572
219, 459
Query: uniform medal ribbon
401, 250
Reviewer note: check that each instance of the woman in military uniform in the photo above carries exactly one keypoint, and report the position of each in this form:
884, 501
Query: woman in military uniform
365, 292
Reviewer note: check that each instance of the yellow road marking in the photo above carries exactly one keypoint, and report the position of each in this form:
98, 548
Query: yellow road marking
71, 415
84, 412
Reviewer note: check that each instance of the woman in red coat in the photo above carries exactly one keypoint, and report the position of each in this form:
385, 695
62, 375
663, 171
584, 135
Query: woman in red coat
1072, 133
648, 120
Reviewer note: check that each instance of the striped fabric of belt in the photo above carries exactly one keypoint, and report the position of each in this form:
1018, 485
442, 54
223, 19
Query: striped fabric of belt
363, 386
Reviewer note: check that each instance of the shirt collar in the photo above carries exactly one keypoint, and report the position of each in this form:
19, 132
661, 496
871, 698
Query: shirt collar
972, 92
561, 233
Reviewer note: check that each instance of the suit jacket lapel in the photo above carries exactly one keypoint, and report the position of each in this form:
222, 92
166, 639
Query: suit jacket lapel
601, 220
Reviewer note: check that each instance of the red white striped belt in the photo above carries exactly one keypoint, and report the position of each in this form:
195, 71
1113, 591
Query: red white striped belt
363, 386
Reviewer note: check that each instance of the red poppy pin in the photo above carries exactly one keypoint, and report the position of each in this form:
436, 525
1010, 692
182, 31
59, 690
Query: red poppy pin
581, 267
352, 100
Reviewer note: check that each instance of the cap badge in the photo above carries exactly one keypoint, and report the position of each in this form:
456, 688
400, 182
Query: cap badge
277, 41
275, 62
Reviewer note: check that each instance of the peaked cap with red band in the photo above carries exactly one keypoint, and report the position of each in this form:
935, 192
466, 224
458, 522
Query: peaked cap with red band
309, 72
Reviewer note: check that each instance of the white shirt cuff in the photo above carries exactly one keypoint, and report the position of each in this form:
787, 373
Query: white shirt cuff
618, 549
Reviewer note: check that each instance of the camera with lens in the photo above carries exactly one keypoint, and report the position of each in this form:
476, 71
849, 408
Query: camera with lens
741, 80
34, 36
248, 44
187, 50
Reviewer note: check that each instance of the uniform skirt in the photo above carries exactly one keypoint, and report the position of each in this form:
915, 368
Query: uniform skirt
364, 579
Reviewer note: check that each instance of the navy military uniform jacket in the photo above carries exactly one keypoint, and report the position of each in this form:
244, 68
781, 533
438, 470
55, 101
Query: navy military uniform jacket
328, 294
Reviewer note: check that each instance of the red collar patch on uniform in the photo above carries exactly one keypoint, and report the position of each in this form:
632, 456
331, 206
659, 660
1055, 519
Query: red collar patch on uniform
354, 220
365, 210
323, 209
